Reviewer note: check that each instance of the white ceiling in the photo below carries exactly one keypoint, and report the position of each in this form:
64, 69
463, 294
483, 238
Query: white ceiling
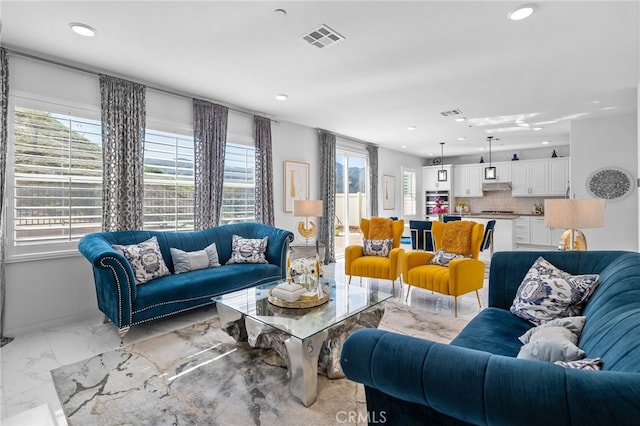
400, 65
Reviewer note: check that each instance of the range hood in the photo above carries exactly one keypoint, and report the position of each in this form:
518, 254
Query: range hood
496, 186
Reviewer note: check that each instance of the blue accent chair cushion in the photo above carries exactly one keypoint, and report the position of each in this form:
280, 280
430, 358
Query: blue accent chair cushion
477, 379
127, 304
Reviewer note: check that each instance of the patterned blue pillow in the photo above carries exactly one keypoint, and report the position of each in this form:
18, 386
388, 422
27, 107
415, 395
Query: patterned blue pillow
248, 250
443, 258
145, 259
380, 248
185, 261
547, 293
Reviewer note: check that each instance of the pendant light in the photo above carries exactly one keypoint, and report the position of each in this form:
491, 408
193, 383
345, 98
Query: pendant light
442, 173
490, 172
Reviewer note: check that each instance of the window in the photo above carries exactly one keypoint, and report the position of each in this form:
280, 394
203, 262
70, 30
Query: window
57, 177
168, 181
238, 194
408, 192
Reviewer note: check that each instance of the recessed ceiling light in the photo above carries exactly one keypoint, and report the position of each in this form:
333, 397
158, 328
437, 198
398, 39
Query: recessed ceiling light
403, 146
462, 138
411, 128
460, 119
545, 142
282, 97
280, 12
522, 12
537, 128
83, 29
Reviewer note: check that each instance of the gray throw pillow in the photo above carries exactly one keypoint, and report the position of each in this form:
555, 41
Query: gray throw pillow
594, 364
145, 259
552, 344
248, 250
443, 258
573, 324
380, 248
547, 293
185, 261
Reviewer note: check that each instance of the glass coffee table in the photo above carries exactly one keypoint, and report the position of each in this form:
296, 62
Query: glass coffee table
309, 340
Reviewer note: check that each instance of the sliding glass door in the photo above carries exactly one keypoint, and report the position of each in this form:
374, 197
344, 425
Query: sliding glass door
352, 189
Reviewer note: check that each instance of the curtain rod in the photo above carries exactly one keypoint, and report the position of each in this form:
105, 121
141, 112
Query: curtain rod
347, 138
97, 73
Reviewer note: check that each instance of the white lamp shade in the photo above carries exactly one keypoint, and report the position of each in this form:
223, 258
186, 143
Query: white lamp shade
308, 208
574, 214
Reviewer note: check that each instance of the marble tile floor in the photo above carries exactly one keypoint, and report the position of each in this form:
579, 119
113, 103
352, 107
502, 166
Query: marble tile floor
26, 387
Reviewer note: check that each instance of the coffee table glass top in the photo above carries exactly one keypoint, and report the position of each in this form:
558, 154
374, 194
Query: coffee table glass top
344, 302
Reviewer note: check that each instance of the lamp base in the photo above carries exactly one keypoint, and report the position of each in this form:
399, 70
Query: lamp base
579, 240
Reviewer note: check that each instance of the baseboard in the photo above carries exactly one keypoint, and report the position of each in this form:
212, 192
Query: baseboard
45, 325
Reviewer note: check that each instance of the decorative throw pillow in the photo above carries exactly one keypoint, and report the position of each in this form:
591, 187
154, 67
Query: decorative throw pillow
377, 247
594, 364
547, 292
443, 258
552, 344
456, 237
145, 259
248, 250
380, 228
185, 261
573, 324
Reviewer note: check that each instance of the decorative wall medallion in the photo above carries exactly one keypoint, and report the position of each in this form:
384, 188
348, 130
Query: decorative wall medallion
610, 183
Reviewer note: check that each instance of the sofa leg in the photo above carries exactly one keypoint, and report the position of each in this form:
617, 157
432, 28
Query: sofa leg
122, 331
105, 319
478, 296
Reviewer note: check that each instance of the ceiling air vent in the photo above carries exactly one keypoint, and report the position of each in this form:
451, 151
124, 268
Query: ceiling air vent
322, 36
453, 112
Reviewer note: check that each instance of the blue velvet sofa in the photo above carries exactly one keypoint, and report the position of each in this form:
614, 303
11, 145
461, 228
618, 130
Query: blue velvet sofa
127, 304
477, 379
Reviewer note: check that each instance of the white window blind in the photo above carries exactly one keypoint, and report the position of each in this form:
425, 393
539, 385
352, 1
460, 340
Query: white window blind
57, 177
409, 192
168, 181
238, 195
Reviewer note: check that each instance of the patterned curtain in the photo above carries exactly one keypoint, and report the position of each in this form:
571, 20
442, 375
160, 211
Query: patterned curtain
4, 102
264, 171
328, 194
123, 123
210, 139
373, 178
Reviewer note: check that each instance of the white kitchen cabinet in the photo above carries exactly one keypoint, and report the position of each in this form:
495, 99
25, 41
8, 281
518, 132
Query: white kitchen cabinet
430, 178
522, 230
467, 180
540, 233
558, 176
530, 178
503, 172
531, 232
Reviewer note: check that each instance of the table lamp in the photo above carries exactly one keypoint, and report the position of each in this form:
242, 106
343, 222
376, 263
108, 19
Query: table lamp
307, 208
572, 214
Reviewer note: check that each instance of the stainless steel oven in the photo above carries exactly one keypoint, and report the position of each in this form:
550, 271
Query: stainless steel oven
433, 198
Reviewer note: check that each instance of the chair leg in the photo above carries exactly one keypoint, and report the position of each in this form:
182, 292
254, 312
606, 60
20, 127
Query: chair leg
455, 306
406, 297
478, 296
349, 282
393, 287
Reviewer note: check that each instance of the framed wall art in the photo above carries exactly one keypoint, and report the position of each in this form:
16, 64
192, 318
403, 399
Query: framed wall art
388, 192
296, 183
610, 183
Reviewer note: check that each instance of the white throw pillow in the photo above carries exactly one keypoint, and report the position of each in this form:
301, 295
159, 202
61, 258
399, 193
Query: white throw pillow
185, 261
573, 324
145, 259
248, 250
547, 293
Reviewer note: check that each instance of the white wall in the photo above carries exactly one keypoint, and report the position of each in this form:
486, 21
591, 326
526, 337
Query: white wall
391, 163
614, 141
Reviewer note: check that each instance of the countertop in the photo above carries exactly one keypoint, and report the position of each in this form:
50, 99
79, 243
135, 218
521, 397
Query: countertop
507, 216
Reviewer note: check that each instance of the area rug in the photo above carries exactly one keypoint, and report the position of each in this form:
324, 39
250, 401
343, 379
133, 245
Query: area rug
199, 375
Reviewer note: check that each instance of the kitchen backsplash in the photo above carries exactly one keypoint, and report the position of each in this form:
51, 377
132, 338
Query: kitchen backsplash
502, 200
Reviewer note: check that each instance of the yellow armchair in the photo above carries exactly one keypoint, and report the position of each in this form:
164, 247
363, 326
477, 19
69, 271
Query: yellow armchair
460, 276
356, 263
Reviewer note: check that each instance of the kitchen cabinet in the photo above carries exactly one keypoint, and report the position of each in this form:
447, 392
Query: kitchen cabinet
558, 176
530, 178
531, 231
430, 178
467, 180
503, 172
